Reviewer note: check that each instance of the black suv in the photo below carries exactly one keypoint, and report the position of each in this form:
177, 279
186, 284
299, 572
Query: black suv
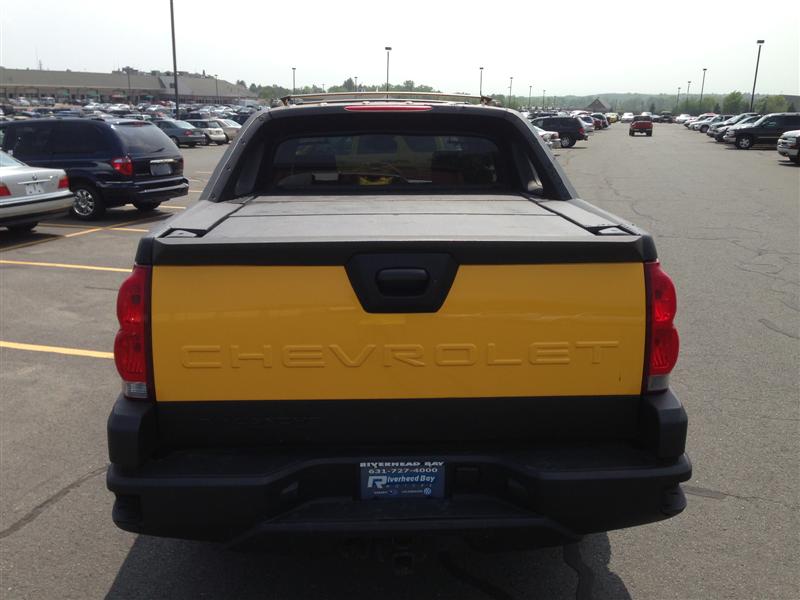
766, 130
569, 129
109, 163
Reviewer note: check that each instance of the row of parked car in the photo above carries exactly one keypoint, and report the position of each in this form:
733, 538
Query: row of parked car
749, 129
141, 112
96, 164
568, 127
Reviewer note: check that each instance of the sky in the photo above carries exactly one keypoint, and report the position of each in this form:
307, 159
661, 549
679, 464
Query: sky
566, 48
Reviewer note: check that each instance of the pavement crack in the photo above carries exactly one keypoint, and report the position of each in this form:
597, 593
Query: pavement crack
717, 495
48, 502
770, 325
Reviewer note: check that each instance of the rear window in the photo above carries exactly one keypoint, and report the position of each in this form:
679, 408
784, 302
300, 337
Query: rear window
642, 118
385, 159
144, 138
7, 161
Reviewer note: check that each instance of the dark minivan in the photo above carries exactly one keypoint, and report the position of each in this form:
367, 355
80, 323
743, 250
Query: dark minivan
109, 163
766, 130
570, 129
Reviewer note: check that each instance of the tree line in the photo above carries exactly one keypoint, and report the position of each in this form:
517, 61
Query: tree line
732, 103
275, 91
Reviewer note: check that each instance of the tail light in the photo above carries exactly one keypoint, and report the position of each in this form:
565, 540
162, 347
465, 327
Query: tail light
4, 191
388, 108
582, 131
178, 169
132, 344
63, 183
663, 343
123, 166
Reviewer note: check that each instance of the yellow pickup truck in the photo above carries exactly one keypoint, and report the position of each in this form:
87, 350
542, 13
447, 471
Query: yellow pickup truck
394, 318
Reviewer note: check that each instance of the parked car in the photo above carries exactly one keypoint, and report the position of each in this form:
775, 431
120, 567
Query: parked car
229, 127
588, 122
181, 132
28, 194
109, 163
570, 129
723, 130
405, 429
729, 137
788, 145
706, 125
612, 117
665, 116
550, 138
722, 125
641, 124
681, 118
601, 119
766, 130
688, 123
626, 117
213, 132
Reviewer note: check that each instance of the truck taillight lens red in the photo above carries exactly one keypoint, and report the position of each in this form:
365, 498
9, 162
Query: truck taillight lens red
663, 343
123, 166
132, 344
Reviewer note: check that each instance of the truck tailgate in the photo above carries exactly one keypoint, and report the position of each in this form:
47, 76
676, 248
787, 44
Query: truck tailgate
270, 323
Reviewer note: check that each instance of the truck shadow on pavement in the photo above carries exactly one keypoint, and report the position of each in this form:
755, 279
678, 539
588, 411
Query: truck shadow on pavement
162, 568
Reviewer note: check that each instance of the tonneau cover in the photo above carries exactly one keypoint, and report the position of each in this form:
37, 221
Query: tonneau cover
396, 218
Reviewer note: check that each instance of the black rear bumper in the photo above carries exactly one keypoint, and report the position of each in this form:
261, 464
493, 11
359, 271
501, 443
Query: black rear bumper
119, 193
514, 494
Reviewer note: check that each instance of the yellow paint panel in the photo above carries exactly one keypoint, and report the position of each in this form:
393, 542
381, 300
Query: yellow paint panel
284, 333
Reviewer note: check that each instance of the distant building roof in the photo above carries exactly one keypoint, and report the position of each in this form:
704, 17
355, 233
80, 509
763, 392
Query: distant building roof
598, 105
188, 85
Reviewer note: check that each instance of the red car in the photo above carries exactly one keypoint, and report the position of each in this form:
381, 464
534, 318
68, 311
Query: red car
641, 124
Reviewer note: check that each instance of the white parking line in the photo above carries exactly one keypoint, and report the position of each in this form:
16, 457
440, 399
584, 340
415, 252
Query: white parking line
56, 350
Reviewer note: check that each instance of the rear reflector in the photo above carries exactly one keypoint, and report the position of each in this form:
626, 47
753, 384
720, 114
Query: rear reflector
663, 343
131, 346
388, 107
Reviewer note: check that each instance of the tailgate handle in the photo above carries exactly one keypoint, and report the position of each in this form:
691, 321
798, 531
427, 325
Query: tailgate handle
402, 281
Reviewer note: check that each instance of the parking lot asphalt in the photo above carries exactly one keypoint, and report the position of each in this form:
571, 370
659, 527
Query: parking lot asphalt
727, 228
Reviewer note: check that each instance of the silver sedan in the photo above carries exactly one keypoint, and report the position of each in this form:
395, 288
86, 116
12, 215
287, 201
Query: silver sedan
231, 128
28, 194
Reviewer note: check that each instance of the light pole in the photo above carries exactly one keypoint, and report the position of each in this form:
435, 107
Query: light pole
755, 77
702, 87
480, 85
510, 83
356, 78
216, 82
388, 50
128, 69
678, 99
323, 88
543, 91
530, 89
294, 88
688, 87
174, 61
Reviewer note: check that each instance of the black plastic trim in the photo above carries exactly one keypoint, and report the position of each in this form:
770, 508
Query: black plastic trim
479, 252
132, 432
404, 421
377, 278
663, 425
242, 497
